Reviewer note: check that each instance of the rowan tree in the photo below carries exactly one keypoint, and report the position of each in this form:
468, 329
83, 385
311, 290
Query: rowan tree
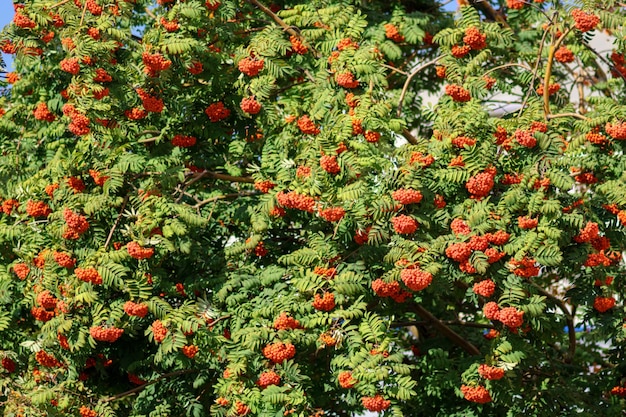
236, 208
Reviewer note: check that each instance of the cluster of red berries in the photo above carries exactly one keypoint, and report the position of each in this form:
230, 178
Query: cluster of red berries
97, 177
170, 25
489, 82
460, 227
285, 322
21, 270
492, 373
481, 184
46, 300
217, 112
357, 126
46, 359
329, 164
135, 113
70, 65
404, 224
371, 136
250, 105
196, 68
407, 196
8, 364
295, 200
463, 141
586, 178
159, 331
616, 130
327, 272
552, 89
325, 302
102, 76
135, 250
87, 412
392, 290
603, 304
22, 21
391, 32
345, 380
485, 288
183, 141
415, 279
212, 5
155, 63
458, 93
41, 314
476, 394
564, 55
525, 268
440, 70
526, 222
150, 103
37, 209
376, 403
588, 233
511, 317
619, 64
297, 46
474, 39
75, 184
105, 334
251, 66
597, 259
459, 51
93, 7
264, 186
332, 214
63, 341
79, 124
279, 352
618, 391
88, 275
525, 138
361, 237
135, 309
268, 378
42, 112
190, 351
303, 171
76, 224
260, 250
584, 21
64, 260
347, 43
306, 125
346, 80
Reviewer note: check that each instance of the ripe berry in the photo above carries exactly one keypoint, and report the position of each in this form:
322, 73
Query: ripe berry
183, 141
46, 359
460, 51
474, 38
159, 331
477, 394
511, 317
37, 209
135, 309
105, 334
372, 137
325, 302
485, 288
250, 105
346, 80
329, 164
155, 63
46, 300
458, 93
138, 252
491, 373
376, 404
526, 222
297, 46
481, 184
285, 322
391, 32
42, 112
8, 364
88, 275
491, 310
480, 243
583, 21
297, 201
460, 227
21, 270
616, 130
76, 184
217, 112
251, 66
241, 409
190, 351
345, 380
332, 214
70, 65
268, 378
564, 55
603, 304
306, 126
404, 224
150, 103
87, 412
415, 279
279, 352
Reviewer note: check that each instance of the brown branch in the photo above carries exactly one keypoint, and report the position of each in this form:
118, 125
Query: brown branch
144, 386
117, 222
445, 330
448, 322
535, 71
82, 17
409, 137
574, 115
225, 196
546, 78
489, 11
61, 3
408, 81
231, 178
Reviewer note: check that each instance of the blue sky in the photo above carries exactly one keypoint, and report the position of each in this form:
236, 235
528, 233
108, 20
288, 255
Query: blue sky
6, 15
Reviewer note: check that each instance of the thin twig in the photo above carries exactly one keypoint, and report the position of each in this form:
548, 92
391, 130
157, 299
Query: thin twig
144, 386
535, 72
225, 196
61, 3
512, 64
82, 17
408, 81
117, 222
546, 78
395, 69
574, 115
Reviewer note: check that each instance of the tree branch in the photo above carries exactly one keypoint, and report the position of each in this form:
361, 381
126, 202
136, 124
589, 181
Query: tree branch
409, 137
144, 386
408, 81
574, 115
546, 78
117, 222
225, 196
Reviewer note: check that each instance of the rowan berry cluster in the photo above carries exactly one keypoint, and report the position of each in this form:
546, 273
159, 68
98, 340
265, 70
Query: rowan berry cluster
8, 364
212, 5
102, 76
588, 233
485, 288
404, 224
407, 196
619, 64
618, 391
564, 55
135, 309
346, 380
459, 51
376, 403
195, 68
134, 379
492, 373
372, 137
489, 82
474, 38
22, 21
64, 260
460, 227
306, 126
76, 224
79, 124
21, 270
552, 89
597, 259
525, 138
105, 334
260, 250
347, 43
526, 222
415, 279
268, 378
463, 141
41, 314
88, 275
525, 268
285, 322
37, 209
391, 32
155, 63
616, 130
584, 21
421, 159
75, 184
190, 351
603, 304
297, 46
93, 7
70, 65
327, 272
135, 250
251, 66
45, 359
159, 331
135, 113
325, 302
63, 342
458, 93
511, 317
264, 186
346, 80
279, 352
183, 141
476, 394
150, 103
250, 105
481, 184
42, 112
99, 95
170, 25
295, 200
586, 178
332, 214
217, 112
87, 412
329, 164
46, 300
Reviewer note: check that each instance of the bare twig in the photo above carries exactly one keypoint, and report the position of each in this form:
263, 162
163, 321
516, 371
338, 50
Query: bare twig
546, 78
409, 79
574, 115
535, 71
409, 137
117, 222
512, 64
82, 17
225, 196
54, 6
144, 386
